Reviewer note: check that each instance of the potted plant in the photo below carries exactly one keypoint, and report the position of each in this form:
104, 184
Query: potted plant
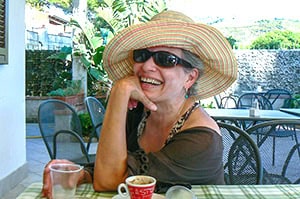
71, 94
88, 49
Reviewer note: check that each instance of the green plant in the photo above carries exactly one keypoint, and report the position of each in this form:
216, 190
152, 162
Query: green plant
295, 102
86, 124
44, 75
210, 105
90, 37
73, 88
89, 47
277, 39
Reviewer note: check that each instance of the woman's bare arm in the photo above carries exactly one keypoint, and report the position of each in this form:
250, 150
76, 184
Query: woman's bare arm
111, 160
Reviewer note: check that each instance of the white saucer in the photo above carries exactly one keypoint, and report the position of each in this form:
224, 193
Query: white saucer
155, 196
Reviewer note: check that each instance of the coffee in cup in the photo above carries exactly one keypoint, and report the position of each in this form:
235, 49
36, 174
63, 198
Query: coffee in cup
137, 187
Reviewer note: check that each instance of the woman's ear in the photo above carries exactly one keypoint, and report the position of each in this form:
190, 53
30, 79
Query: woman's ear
192, 77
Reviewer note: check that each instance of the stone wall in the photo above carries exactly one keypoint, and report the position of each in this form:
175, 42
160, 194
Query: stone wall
267, 69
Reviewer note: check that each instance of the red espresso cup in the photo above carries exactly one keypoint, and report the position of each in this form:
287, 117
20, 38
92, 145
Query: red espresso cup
137, 187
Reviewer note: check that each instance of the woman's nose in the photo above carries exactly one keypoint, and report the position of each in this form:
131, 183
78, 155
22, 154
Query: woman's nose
149, 65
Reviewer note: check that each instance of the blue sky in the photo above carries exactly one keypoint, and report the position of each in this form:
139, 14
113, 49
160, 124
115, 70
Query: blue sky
251, 9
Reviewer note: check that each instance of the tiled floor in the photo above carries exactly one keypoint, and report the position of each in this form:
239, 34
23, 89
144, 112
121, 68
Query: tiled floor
37, 157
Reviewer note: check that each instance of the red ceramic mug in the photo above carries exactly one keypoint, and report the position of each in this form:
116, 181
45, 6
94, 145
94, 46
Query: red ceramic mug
137, 187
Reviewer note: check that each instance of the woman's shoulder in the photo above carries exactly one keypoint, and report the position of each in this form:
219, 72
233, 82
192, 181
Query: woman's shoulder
200, 129
201, 121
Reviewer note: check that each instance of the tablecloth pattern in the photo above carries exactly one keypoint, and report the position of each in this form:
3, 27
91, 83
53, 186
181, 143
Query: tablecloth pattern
201, 191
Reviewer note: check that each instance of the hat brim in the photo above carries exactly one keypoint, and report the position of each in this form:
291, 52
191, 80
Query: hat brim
220, 66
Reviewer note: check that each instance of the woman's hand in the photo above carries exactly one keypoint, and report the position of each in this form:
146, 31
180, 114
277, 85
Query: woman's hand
47, 185
132, 84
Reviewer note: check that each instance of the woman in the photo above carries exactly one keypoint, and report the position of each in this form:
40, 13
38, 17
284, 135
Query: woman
154, 124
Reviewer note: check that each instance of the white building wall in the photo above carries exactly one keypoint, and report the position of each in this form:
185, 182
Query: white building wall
12, 102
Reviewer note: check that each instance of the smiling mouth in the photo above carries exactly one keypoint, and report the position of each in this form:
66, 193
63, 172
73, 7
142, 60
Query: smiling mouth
150, 81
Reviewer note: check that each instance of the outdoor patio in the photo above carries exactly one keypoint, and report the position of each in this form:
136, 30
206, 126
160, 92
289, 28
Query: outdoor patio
37, 157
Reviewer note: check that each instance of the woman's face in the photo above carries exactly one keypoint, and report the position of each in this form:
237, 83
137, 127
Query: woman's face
163, 83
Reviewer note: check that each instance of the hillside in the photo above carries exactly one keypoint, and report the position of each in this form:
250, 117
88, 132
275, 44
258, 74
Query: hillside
246, 31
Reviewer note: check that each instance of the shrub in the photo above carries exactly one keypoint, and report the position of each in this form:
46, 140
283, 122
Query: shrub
86, 123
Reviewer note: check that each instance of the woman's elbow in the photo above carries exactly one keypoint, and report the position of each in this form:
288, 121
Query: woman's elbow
107, 183
98, 187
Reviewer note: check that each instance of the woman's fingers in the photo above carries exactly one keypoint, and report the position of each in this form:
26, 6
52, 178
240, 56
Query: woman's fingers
140, 96
132, 104
137, 94
47, 188
47, 185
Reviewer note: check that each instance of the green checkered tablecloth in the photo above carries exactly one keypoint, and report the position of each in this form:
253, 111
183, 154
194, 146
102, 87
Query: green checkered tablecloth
202, 192
247, 191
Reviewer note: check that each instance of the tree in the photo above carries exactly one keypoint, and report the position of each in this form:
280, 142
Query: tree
39, 4
231, 41
277, 40
103, 22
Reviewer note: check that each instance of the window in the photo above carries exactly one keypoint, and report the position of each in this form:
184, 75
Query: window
3, 33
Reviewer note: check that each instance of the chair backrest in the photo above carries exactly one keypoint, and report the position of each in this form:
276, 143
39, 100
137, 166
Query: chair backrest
69, 145
229, 101
55, 116
285, 170
96, 111
247, 100
242, 161
289, 163
279, 98
217, 99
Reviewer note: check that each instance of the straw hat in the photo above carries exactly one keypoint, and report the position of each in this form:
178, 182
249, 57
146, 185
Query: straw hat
174, 29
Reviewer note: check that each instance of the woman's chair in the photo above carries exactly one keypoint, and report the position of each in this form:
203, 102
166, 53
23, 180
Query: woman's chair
61, 131
96, 111
269, 149
241, 157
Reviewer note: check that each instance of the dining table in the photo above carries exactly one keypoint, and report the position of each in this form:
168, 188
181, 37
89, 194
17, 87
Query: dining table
243, 114
294, 111
278, 191
240, 117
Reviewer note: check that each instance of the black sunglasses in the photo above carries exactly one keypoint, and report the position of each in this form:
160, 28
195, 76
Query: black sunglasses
161, 58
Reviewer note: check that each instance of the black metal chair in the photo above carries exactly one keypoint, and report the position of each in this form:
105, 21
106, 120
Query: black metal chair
217, 99
278, 173
61, 131
279, 98
247, 100
96, 111
252, 100
289, 165
229, 101
241, 157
